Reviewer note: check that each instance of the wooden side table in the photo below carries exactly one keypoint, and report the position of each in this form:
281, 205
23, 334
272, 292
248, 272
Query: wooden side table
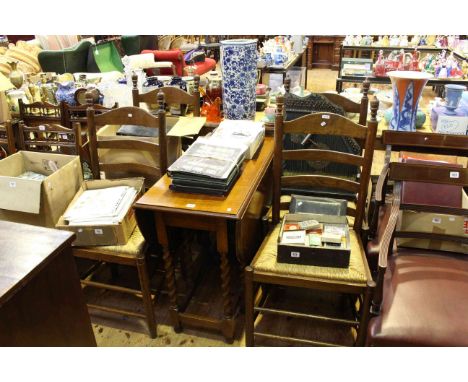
41, 302
241, 207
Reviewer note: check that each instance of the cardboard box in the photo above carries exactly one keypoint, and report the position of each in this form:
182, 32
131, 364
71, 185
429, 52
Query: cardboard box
114, 234
307, 255
38, 202
435, 223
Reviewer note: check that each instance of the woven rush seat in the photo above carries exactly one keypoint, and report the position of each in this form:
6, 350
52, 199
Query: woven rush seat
132, 249
266, 262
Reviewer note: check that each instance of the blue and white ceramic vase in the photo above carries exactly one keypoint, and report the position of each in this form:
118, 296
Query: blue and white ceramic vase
453, 95
407, 89
239, 69
66, 92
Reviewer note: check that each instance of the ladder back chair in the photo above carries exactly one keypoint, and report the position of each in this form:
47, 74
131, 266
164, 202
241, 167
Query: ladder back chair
50, 137
136, 252
7, 137
126, 165
171, 95
266, 272
421, 295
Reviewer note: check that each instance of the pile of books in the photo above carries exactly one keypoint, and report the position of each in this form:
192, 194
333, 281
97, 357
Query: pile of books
103, 206
210, 166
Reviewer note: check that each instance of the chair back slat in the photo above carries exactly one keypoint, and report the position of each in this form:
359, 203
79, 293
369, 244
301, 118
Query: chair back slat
428, 173
319, 181
323, 155
325, 124
126, 144
147, 171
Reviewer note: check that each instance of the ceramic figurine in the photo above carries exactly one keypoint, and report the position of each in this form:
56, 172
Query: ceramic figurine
394, 40
430, 41
379, 41
357, 40
404, 60
385, 41
179, 83
423, 41
379, 67
414, 64
404, 41
349, 40
66, 92
415, 41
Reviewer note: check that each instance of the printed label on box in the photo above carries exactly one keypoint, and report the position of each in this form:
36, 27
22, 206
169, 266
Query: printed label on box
295, 254
98, 231
465, 226
436, 220
454, 174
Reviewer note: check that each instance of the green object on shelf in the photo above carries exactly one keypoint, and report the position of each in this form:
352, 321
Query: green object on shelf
107, 57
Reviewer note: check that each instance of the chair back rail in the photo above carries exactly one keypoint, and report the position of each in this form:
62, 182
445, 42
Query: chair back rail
7, 137
33, 138
37, 113
348, 105
171, 95
324, 124
129, 116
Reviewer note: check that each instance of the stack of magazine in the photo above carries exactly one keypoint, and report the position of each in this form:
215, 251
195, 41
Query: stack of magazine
209, 166
103, 206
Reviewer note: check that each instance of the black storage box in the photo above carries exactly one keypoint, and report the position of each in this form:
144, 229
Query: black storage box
318, 256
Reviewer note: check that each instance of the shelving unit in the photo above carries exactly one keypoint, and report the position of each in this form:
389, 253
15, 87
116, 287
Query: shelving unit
436, 83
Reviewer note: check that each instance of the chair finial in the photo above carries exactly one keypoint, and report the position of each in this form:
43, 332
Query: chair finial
287, 84
161, 100
135, 81
374, 107
279, 104
365, 87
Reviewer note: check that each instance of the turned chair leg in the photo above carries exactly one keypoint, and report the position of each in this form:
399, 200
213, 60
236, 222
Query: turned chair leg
146, 295
249, 307
365, 314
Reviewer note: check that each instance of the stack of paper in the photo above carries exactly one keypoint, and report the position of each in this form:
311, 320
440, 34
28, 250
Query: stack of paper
246, 132
209, 166
103, 206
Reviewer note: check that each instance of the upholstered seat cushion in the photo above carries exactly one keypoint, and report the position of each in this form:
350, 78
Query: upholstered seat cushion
425, 301
132, 249
355, 273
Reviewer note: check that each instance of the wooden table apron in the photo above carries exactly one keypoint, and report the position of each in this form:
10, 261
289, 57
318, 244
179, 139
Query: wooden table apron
209, 213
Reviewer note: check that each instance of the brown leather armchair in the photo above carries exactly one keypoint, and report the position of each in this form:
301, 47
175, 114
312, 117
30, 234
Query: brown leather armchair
421, 297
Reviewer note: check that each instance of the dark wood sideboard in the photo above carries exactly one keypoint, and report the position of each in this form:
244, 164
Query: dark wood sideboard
41, 302
324, 52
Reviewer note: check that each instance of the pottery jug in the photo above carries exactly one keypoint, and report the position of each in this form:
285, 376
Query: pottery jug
16, 76
66, 92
